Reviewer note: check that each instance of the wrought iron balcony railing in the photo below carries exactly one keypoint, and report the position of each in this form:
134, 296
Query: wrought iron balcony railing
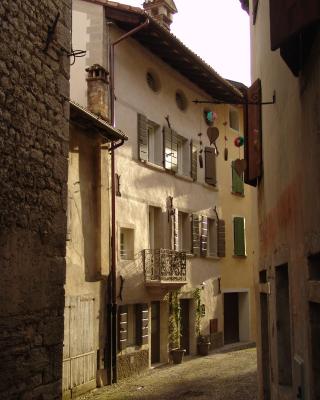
164, 265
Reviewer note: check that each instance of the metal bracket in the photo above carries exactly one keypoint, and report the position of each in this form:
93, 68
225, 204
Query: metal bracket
238, 103
51, 31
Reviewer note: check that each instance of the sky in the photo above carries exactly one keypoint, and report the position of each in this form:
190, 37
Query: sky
217, 30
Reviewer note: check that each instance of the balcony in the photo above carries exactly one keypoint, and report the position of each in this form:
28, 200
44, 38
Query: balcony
164, 270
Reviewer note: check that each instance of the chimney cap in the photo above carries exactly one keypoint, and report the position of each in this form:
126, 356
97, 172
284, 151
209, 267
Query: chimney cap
148, 4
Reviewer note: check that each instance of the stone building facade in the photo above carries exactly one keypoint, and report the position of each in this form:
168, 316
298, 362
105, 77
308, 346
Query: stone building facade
34, 133
283, 158
169, 200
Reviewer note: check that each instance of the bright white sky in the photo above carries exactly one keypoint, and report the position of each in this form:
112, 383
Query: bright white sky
216, 30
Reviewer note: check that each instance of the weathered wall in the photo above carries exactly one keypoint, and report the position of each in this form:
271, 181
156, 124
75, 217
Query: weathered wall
34, 131
288, 199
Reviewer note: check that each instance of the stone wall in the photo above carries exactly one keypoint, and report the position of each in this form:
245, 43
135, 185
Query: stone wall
34, 108
130, 364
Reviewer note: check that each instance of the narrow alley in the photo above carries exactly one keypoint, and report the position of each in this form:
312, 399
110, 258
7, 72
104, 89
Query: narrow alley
227, 375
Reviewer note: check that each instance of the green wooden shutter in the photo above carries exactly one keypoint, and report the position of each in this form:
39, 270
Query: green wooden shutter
237, 181
123, 327
195, 235
221, 238
239, 238
142, 323
204, 236
142, 137
193, 161
210, 166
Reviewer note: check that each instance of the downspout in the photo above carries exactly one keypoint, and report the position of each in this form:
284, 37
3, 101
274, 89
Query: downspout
113, 272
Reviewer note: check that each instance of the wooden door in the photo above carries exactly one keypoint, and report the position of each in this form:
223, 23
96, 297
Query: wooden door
155, 332
79, 355
231, 318
185, 332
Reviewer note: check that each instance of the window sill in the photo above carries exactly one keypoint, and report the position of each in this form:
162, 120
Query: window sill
152, 165
237, 194
211, 187
237, 256
184, 177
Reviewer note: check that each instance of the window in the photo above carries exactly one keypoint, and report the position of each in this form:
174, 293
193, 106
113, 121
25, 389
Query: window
212, 237
181, 100
149, 141
234, 119
126, 244
237, 181
176, 152
184, 235
239, 236
153, 81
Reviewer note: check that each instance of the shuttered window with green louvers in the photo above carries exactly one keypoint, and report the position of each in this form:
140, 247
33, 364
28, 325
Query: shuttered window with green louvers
239, 236
237, 181
123, 327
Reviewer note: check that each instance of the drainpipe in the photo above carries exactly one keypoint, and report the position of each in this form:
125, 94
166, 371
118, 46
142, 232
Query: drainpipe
113, 307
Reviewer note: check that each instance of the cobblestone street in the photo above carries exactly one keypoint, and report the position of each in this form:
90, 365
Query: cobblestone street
224, 375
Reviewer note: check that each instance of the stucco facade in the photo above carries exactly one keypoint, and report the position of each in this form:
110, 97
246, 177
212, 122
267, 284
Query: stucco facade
287, 277
146, 219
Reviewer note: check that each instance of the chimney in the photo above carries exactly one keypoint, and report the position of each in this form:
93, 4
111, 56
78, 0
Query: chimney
161, 10
97, 91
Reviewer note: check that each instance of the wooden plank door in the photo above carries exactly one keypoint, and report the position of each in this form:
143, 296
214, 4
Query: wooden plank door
231, 318
185, 332
155, 332
79, 355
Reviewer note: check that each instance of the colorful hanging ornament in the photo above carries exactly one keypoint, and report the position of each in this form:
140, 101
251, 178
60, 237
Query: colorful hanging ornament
213, 134
239, 141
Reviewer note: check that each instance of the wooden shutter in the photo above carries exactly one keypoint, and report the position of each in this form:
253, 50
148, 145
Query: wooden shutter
221, 238
123, 326
142, 323
253, 135
210, 166
195, 235
289, 17
204, 236
237, 181
239, 239
142, 137
193, 161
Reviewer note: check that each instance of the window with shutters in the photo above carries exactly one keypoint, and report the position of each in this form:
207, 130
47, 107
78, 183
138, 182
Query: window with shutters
126, 244
234, 119
184, 235
195, 234
122, 327
149, 141
237, 181
212, 237
210, 166
239, 236
176, 152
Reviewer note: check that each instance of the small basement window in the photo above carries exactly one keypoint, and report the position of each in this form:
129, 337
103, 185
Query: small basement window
234, 119
126, 244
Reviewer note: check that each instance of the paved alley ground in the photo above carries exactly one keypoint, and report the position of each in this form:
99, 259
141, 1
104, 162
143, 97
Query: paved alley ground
224, 375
